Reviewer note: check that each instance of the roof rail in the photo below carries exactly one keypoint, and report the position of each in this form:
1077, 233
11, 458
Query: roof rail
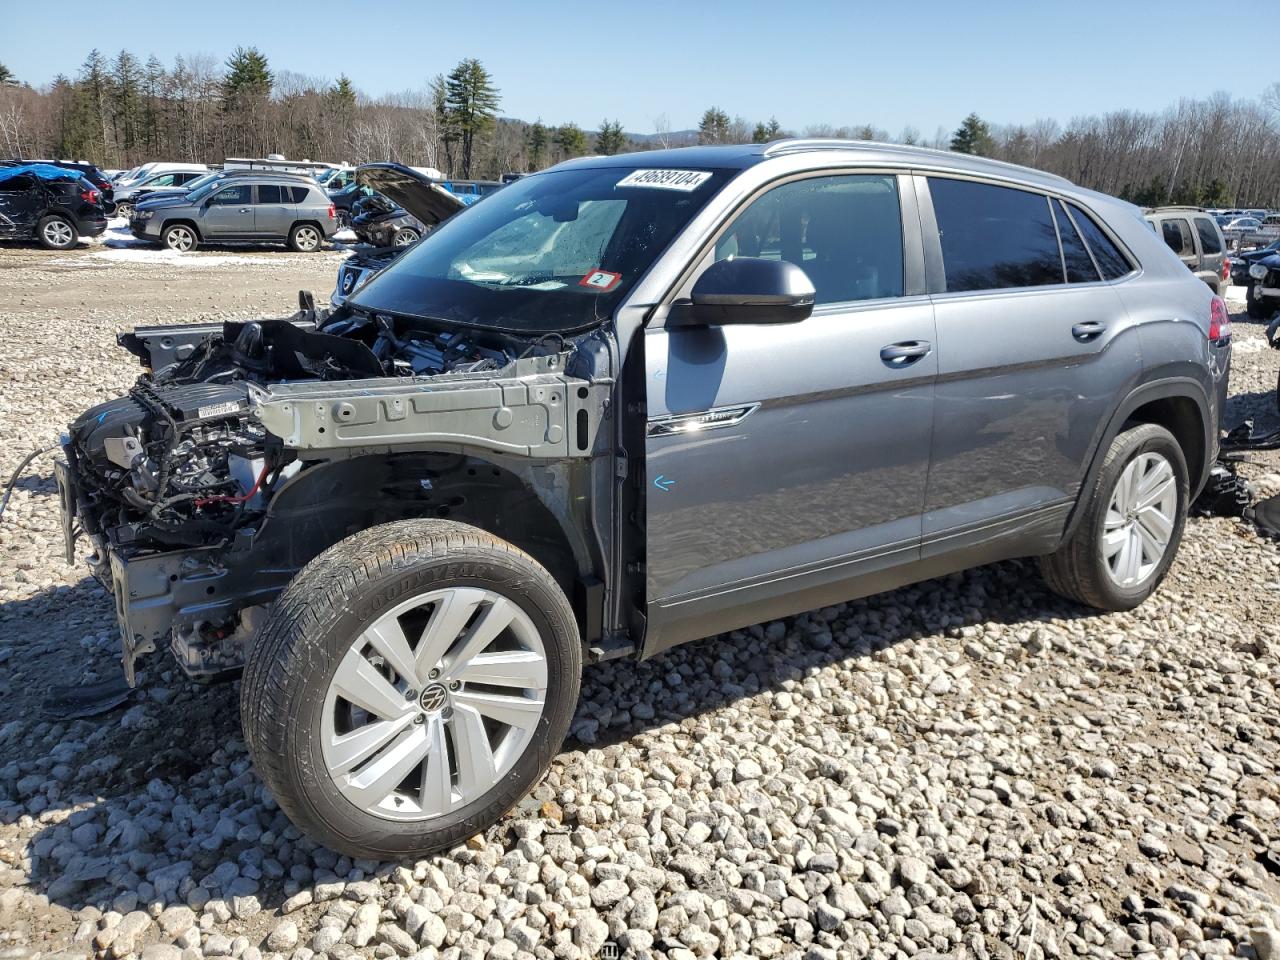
777, 148
1175, 206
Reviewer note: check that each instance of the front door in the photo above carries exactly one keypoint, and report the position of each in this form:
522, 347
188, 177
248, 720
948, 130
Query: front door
783, 462
228, 213
1034, 345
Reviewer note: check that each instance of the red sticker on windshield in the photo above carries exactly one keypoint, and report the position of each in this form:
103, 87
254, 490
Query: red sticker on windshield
601, 280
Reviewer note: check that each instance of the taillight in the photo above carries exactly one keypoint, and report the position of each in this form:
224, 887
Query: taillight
89, 196
1226, 268
333, 212
1219, 321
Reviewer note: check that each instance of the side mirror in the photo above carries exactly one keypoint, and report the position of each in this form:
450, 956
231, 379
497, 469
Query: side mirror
750, 290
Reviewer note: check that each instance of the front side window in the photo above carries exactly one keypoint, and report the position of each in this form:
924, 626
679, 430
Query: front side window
229, 195
553, 253
994, 238
845, 232
1209, 241
1177, 234
164, 180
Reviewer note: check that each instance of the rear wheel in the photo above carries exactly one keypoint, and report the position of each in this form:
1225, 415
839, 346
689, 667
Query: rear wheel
180, 237
1131, 527
412, 683
305, 238
124, 210
56, 233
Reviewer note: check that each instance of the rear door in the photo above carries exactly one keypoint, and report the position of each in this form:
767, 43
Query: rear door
1034, 344
1211, 249
789, 458
228, 213
273, 211
20, 201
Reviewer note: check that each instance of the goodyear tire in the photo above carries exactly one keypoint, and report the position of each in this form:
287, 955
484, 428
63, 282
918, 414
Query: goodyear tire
411, 685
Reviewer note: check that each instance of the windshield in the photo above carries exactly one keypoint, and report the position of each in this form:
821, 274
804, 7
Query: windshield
199, 182
551, 253
204, 189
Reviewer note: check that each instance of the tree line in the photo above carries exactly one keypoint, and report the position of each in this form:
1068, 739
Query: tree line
119, 111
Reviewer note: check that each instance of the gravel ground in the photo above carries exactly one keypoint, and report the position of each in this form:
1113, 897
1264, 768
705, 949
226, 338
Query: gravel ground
969, 767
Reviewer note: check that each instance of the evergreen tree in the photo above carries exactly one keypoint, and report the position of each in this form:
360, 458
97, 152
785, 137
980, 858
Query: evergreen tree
247, 73
343, 93
7, 79
153, 78
764, 132
973, 136
127, 80
571, 140
472, 101
714, 126
610, 139
537, 139
246, 88
439, 94
94, 84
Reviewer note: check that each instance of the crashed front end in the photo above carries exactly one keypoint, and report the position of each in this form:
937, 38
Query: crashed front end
177, 484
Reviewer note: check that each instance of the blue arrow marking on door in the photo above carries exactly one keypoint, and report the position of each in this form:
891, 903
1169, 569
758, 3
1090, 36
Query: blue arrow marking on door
662, 483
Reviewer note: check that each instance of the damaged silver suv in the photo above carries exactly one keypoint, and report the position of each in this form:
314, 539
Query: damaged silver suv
625, 403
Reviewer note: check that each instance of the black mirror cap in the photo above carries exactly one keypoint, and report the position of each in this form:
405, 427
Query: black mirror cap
751, 290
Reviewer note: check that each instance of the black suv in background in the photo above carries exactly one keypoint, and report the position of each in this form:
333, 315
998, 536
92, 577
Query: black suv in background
56, 212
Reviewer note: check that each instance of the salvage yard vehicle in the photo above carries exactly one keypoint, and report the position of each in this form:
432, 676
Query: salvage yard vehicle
236, 208
418, 197
1196, 238
127, 196
625, 403
51, 204
1262, 293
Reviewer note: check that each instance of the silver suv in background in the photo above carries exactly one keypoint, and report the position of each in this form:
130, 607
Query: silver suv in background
1194, 235
261, 208
625, 403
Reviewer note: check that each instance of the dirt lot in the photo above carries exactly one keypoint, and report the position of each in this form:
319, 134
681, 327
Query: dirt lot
968, 767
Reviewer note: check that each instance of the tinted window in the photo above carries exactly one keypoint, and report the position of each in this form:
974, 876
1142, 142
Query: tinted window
236, 194
299, 194
164, 180
271, 193
994, 237
19, 184
1080, 268
845, 232
1177, 234
1111, 261
1209, 241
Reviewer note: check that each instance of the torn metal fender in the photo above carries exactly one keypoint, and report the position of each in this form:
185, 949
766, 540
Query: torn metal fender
530, 408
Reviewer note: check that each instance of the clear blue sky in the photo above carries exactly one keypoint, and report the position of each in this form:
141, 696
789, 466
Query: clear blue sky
841, 62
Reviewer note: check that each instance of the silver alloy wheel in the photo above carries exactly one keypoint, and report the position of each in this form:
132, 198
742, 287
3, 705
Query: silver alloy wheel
433, 704
124, 210
180, 239
404, 237
59, 233
306, 238
1140, 519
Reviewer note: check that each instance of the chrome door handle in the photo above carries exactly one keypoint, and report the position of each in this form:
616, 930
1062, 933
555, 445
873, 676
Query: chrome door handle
905, 353
1084, 332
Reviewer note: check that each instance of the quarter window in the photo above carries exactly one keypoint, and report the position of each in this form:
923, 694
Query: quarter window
1111, 261
994, 238
299, 194
1177, 234
845, 232
1209, 241
1075, 254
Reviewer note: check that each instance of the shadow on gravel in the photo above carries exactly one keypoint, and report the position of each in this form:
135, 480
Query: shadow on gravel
156, 802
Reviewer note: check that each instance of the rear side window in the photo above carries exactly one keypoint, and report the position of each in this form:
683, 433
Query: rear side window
299, 194
1209, 241
994, 238
1177, 234
19, 184
269, 193
1075, 254
1110, 260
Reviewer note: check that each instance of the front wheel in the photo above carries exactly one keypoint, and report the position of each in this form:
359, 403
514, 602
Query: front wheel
404, 236
305, 238
56, 233
412, 683
124, 210
180, 237
1131, 526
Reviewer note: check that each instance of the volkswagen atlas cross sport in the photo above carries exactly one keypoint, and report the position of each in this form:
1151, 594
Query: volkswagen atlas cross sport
621, 404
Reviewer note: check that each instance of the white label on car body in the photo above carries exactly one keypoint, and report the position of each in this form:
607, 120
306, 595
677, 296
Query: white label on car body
218, 409
685, 181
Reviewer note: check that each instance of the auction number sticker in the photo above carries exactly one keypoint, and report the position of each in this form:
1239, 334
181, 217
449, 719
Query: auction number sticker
601, 280
685, 181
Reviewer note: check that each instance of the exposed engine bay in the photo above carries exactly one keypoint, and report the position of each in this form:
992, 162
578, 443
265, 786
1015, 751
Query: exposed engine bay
247, 448
178, 461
